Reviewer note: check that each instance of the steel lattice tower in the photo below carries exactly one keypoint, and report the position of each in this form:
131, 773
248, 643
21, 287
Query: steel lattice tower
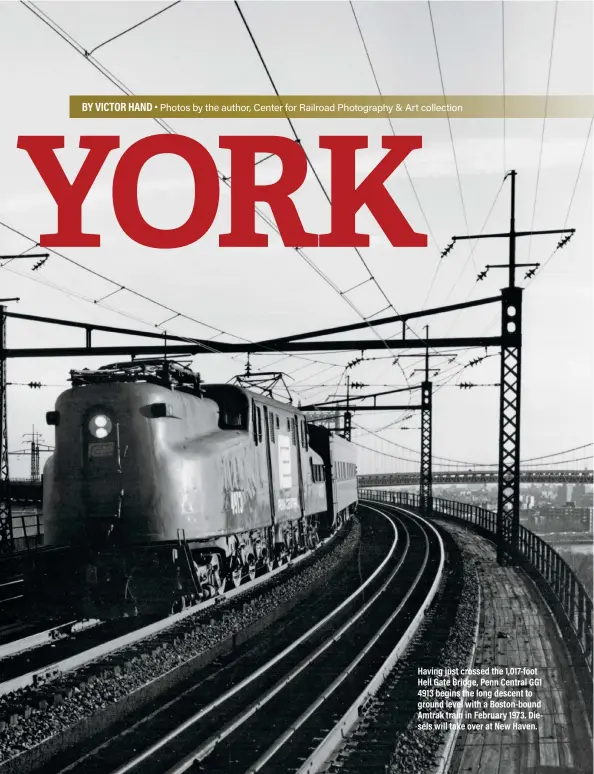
426, 483
508, 495
6, 537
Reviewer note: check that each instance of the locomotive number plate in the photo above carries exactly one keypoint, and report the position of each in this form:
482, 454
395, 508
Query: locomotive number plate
101, 449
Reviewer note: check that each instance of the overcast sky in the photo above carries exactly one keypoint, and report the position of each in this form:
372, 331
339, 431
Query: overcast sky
315, 48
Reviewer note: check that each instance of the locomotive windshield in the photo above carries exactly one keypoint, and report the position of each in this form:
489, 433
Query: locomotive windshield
233, 406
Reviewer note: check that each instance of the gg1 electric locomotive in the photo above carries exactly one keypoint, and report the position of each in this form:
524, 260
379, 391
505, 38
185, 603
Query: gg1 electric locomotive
162, 489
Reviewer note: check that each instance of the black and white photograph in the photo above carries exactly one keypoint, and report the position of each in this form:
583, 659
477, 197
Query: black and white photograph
296, 377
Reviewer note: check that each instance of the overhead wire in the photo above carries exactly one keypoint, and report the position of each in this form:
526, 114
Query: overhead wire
122, 87
448, 118
544, 123
532, 279
44, 17
134, 26
571, 199
128, 315
337, 365
404, 164
320, 183
503, 85
471, 252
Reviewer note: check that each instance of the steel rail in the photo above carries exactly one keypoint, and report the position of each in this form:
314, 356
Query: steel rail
206, 748
10, 599
446, 753
336, 735
15, 647
191, 721
84, 657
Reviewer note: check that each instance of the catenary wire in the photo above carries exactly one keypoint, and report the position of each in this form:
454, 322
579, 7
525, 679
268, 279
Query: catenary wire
544, 123
120, 85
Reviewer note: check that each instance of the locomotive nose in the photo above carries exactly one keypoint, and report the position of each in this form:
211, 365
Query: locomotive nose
102, 484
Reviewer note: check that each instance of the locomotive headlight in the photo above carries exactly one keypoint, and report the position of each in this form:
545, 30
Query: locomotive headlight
100, 426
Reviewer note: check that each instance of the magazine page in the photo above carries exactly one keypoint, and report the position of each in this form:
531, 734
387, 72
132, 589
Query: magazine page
296, 386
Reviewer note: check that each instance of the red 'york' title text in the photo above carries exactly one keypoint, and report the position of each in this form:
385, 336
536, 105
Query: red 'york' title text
347, 197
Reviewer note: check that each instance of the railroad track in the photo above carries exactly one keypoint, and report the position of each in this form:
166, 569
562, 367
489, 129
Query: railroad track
273, 705
25, 644
38, 657
11, 606
11, 591
72, 708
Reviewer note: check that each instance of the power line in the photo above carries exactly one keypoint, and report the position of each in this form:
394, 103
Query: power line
471, 255
122, 87
121, 287
404, 166
133, 27
544, 123
579, 172
449, 121
317, 177
438, 387
503, 83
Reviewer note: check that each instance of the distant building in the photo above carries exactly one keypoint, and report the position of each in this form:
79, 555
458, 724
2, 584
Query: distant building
552, 518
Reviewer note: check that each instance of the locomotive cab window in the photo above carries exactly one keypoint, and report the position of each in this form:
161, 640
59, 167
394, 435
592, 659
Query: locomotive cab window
233, 406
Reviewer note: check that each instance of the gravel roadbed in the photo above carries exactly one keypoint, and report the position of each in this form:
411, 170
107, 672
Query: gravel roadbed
386, 737
88, 700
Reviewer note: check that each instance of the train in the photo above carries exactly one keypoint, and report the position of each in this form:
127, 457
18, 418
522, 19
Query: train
163, 490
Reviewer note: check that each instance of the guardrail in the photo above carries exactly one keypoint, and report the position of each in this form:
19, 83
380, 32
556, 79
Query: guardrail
569, 600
